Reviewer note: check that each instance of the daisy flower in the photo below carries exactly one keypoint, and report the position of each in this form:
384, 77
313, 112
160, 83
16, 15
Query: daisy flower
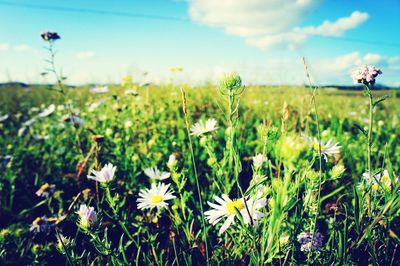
47, 111
3, 118
45, 190
40, 224
106, 174
327, 149
154, 173
87, 216
229, 209
258, 160
383, 178
155, 197
200, 127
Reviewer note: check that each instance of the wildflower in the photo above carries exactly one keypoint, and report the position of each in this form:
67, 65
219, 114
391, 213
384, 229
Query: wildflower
230, 208
258, 160
154, 173
21, 131
128, 124
4, 160
284, 239
29, 122
74, 119
131, 92
337, 171
62, 242
87, 216
232, 81
310, 242
378, 180
93, 106
99, 89
200, 127
106, 174
3, 118
50, 36
45, 190
155, 197
366, 74
47, 111
172, 161
40, 224
327, 149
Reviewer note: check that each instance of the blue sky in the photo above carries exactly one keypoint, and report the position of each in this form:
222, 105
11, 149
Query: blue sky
263, 40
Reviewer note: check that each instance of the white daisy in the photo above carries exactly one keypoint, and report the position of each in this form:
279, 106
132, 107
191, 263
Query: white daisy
3, 118
258, 160
200, 127
106, 174
154, 173
327, 149
383, 178
229, 209
155, 197
47, 111
45, 190
87, 216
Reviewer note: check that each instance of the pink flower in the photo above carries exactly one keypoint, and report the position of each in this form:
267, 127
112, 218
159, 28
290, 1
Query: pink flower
366, 74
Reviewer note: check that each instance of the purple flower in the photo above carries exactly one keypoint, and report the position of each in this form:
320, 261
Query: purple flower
50, 36
310, 242
87, 216
366, 74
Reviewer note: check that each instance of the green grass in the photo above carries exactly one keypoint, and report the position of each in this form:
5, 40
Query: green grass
269, 120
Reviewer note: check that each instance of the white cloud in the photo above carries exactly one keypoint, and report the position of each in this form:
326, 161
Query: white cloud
23, 48
336, 28
4, 46
85, 55
268, 23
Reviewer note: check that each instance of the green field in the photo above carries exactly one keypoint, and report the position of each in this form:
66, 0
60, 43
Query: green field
356, 221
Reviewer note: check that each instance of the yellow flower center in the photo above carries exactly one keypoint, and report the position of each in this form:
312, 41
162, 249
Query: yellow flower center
316, 146
45, 187
233, 205
156, 199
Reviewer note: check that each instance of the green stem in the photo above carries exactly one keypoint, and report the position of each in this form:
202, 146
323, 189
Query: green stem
370, 124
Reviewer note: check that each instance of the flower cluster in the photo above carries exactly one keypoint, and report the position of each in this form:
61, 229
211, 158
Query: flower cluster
50, 36
366, 74
232, 81
309, 241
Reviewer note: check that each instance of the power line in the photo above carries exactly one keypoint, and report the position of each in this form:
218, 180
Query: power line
94, 11
165, 18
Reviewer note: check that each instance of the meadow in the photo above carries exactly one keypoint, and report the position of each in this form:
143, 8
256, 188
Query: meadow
221, 174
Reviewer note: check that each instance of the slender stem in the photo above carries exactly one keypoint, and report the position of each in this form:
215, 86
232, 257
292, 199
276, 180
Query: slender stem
370, 147
314, 102
62, 91
195, 172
